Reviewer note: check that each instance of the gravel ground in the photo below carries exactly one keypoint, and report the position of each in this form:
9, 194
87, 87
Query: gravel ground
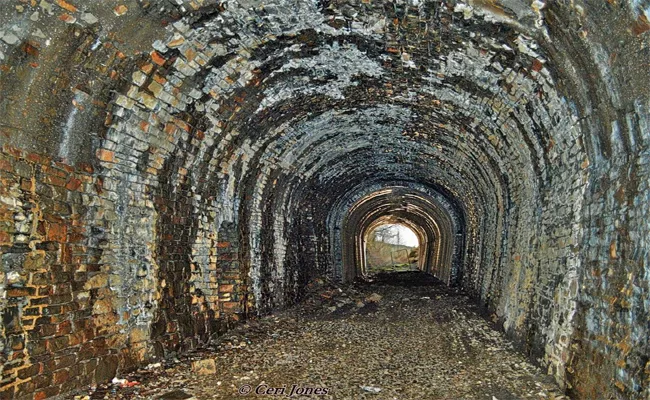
404, 336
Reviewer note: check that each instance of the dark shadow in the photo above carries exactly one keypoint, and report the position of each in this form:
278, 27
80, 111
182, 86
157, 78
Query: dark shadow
405, 279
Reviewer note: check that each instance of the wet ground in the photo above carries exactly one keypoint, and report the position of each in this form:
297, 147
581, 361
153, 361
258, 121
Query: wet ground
403, 336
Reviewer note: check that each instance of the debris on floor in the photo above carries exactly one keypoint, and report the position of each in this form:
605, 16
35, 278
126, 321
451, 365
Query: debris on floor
371, 389
204, 367
402, 336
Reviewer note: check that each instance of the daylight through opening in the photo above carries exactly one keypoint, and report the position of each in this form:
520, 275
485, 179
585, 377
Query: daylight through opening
392, 247
429, 216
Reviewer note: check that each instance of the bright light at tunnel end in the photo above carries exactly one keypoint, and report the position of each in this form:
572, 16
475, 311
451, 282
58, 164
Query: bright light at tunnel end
398, 234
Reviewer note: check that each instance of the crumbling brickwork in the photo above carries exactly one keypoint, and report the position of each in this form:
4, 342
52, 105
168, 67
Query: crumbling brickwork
169, 168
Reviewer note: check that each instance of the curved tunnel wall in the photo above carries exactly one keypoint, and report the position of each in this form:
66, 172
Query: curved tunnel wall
171, 167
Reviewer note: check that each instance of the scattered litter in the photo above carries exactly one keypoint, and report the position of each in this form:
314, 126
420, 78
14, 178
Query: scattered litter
371, 389
117, 381
124, 383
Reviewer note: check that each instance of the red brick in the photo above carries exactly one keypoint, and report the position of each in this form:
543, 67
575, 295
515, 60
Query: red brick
99, 185
6, 165
226, 288
55, 171
120, 10
228, 257
55, 180
66, 6
76, 237
73, 184
147, 68
85, 167
37, 158
64, 328
14, 151
76, 339
21, 292
183, 125
159, 79
64, 166
641, 25
57, 232
40, 396
60, 377
66, 254
106, 155
157, 58
170, 129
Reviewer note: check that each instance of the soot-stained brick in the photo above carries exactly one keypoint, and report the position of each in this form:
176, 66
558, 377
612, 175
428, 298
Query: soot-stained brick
171, 168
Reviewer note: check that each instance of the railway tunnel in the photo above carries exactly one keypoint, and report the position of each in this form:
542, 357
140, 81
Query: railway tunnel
170, 169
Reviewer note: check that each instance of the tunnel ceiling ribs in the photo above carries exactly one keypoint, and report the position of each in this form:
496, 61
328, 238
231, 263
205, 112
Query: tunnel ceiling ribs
413, 208
170, 168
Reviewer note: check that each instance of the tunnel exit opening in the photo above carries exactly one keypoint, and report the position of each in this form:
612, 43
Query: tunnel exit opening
419, 214
392, 246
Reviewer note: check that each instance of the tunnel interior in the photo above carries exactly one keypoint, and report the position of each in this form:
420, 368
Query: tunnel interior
169, 169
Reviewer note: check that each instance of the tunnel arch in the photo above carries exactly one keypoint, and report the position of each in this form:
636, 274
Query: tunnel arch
414, 208
205, 156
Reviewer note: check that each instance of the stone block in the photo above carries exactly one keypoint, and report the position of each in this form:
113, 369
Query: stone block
106, 368
204, 367
97, 281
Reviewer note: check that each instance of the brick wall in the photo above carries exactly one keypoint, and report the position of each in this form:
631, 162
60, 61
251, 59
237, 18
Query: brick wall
210, 150
57, 308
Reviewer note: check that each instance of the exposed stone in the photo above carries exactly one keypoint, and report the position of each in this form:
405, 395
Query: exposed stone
204, 367
374, 298
170, 168
120, 10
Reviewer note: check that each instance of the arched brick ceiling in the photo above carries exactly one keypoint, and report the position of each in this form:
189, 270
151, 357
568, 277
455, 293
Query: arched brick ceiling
242, 131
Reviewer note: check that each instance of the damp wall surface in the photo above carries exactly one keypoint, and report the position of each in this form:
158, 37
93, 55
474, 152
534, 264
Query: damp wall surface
169, 168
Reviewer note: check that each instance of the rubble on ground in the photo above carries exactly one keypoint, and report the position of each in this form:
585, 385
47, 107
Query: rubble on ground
406, 339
